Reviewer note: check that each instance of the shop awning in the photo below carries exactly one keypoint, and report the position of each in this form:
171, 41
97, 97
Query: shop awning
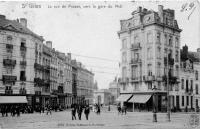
140, 98
12, 99
124, 97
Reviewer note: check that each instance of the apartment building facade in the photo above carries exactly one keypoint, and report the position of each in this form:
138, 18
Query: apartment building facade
17, 60
150, 51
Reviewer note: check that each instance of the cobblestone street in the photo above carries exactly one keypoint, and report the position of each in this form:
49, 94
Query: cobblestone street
107, 120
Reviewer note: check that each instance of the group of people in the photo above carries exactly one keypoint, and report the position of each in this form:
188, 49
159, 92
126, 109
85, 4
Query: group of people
97, 109
14, 110
78, 108
121, 110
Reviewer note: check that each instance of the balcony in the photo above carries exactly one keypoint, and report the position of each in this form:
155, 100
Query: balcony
47, 82
135, 46
188, 91
23, 63
23, 48
170, 61
135, 61
38, 67
9, 79
159, 78
46, 68
136, 79
9, 47
38, 82
149, 78
172, 79
22, 91
9, 91
9, 62
22, 78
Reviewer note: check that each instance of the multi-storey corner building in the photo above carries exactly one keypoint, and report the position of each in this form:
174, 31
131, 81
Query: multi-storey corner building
150, 50
17, 47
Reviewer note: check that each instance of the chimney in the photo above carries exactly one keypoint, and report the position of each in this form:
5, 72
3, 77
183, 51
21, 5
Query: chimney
160, 13
23, 22
49, 44
69, 55
2, 17
198, 50
139, 9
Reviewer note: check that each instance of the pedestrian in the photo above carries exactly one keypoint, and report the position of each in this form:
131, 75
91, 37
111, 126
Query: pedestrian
48, 109
73, 111
87, 111
2, 110
79, 111
98, 110
119, 109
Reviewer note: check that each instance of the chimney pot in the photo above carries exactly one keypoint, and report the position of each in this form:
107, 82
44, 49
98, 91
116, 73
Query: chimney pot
23, 22
49, 44
2, 17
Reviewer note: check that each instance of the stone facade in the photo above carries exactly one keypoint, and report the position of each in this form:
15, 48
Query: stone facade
150, 42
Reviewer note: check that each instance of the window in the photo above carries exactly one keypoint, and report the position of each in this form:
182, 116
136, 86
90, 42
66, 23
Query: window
176, 87
182, 83
187, 100
134, 71
159, 53
124, 57
158, 38
149, 85
136, 39
177, 71
176, 42
159, 85
136, 87
149, 37
191, 83
136, 56
124, 43
149, 53
196, 75
197, 89
177, 56
124, 72
166, 43
183, 100
149, 68
170, 40
159, 69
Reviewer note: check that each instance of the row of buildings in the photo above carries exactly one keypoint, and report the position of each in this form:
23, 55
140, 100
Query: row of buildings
152, 61
30, 67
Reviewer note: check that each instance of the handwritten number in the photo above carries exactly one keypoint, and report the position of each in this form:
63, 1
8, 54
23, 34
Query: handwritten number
191, 5
183, 7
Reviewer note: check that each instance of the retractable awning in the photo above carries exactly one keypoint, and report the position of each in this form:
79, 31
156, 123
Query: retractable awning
124, 97
12, 99
140, 98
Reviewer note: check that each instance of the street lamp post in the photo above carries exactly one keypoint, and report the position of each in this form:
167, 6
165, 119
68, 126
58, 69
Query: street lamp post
154, 104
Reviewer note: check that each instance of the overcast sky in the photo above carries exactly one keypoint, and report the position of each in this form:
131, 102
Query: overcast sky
93, 32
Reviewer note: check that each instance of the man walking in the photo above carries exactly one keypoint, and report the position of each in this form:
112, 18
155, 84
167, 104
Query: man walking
87, 111
79, 111
73, 111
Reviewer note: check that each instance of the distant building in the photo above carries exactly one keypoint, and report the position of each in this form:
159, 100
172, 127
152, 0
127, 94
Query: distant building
114, 89
102, 96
